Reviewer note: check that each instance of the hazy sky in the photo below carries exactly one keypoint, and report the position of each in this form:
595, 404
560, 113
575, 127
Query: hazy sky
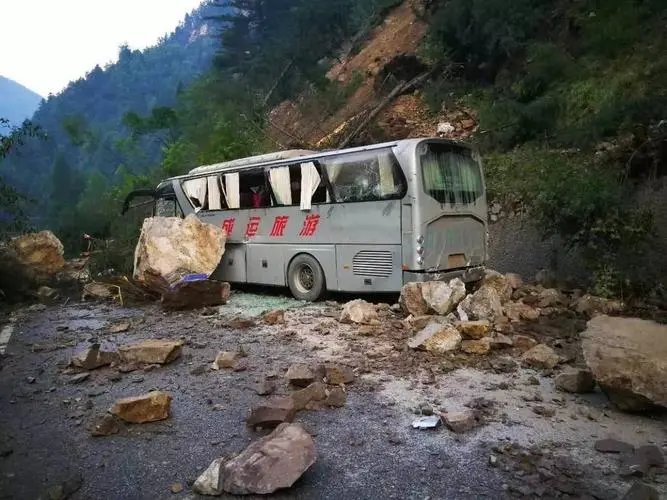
44, 44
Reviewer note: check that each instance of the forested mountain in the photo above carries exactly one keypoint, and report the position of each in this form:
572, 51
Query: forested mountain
84, 123
17, 103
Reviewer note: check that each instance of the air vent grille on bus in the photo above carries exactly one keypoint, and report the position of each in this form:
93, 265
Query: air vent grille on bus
375, 263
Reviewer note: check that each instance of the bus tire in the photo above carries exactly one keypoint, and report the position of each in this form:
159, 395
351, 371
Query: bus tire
306, 278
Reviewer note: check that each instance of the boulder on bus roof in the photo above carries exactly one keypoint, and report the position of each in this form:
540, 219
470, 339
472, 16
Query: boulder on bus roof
170, 248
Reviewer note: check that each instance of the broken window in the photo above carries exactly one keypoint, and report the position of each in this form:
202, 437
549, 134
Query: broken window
195, 189
253, 189
365, 176
451, 175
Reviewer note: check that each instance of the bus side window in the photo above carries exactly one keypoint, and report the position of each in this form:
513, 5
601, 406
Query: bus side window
286, 183
254, 192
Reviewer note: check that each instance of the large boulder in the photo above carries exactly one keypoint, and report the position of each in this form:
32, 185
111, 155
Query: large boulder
500, 283
170, 248
40, 253
628, 358
271, 463
443, 297
412, 301
437, 338
484, 304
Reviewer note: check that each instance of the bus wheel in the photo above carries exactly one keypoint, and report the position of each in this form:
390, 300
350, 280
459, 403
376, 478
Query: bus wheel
306, 278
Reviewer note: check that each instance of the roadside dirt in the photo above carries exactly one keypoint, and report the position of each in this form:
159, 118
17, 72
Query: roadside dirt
366, 449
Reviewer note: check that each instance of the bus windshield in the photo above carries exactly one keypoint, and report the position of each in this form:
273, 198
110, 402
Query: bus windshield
450, 174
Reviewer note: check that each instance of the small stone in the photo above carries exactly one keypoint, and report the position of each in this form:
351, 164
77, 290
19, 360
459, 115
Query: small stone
208, 483
533, 380
226, 360
540, 356
493, 461
93, 358
265, 388
437, 338
524, 343
425, 409
300, 375
358, 311
337, 398
121, 327
576, 381
474, 330
613, 446
640, 462
544, 411
337, 374
104, 426
77, 379
149, 407
176, 488
460, 421
501, 341
479, 347
314, 392
272, 413
641, 491
30, 380
275, 317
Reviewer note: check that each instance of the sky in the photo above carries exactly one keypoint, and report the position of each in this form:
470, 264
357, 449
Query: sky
45, 44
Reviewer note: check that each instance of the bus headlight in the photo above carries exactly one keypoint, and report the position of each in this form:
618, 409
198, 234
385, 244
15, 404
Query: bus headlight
420, 240
420, 250
420, 261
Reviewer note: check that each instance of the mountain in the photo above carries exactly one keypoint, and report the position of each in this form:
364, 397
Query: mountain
17, 102
84, 123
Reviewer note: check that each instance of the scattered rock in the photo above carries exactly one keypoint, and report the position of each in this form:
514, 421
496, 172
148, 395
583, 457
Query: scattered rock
627, 358
640, 462
273, 412
209, 481
474, 330
314, 392
427, 422
591, 305
460, 421
641, 491
271, 463
550, 297
337, 374
93, 358
532, 380
613, 446
242, 323
540, 356
437, 338
149, 407
226, 360
170, 248
501, 341
500, 283
195, 294
544, 411
485, 304
420, 322
443, 297
479, 347
150, 352
524, 343
275, 317
576, 381
504, 364
47, 295
412, 301
518, 311
105, 426
337, 398
514, 280
77, 379
300, 375
358, 311
64, 490
120, 327
265, 388
176, 488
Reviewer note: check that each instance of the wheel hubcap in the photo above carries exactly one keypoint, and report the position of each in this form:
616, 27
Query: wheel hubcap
306, 278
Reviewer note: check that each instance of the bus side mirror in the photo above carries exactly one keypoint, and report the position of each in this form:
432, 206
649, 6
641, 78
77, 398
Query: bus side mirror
136, 194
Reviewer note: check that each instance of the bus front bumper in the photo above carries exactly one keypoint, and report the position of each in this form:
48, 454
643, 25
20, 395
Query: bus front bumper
467, 275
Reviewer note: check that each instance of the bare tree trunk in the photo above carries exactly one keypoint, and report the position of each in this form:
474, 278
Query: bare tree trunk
277, 82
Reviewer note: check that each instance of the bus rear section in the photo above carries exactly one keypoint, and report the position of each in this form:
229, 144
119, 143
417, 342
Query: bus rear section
449, 214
